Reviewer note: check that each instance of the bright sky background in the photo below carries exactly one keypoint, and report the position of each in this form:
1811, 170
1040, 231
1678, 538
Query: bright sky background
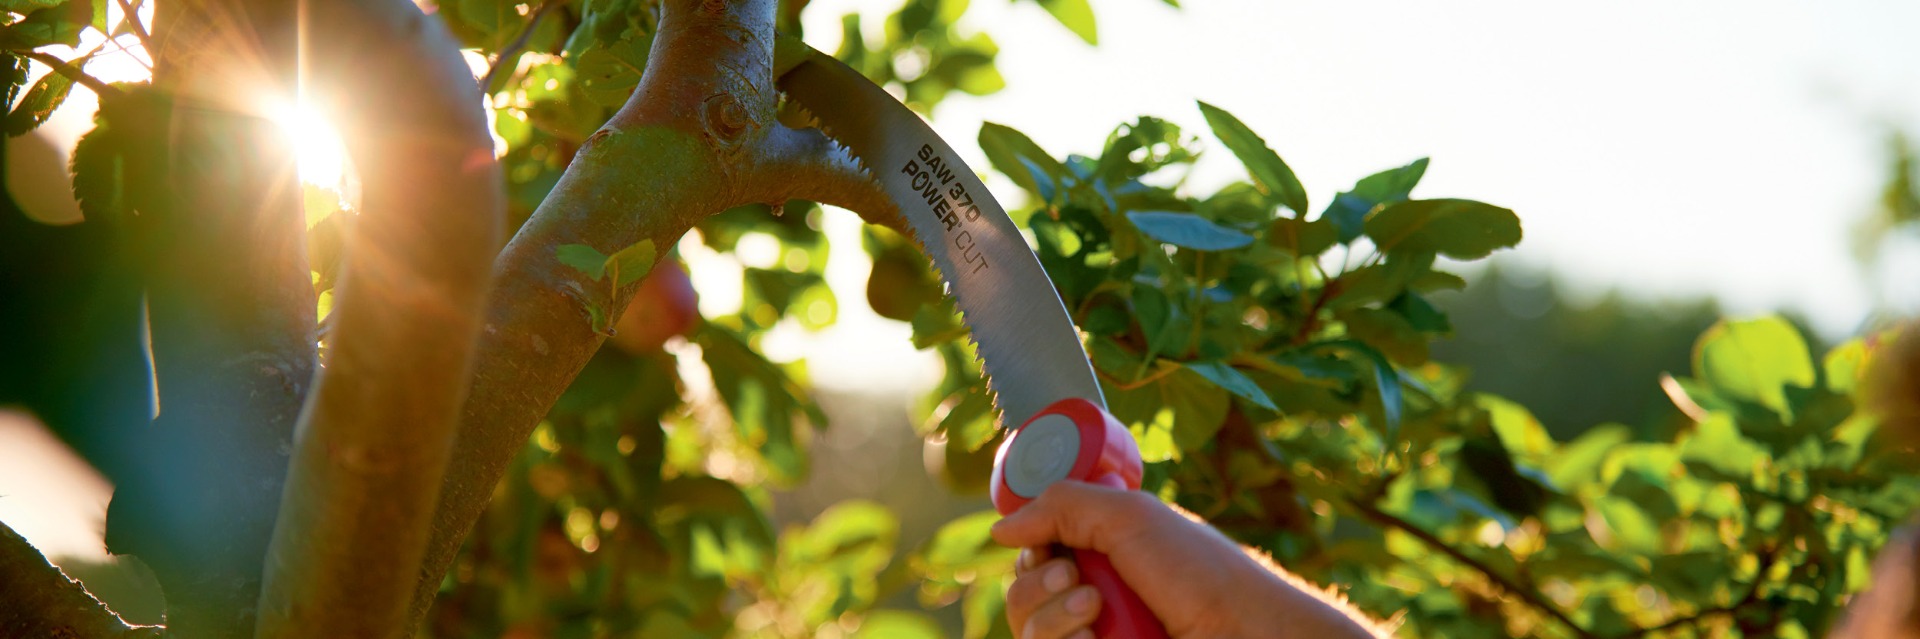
1669, 148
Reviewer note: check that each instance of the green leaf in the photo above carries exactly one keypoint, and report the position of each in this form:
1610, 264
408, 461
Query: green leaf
1754, 360
1349, 210
962, 544
1076, 15
582, 258
608, 73
1302, 238
40, 102
1388, 332
767, 405
1269, 172
1234, 381
1199, 407
56, 24
936, 324
897, 623
1187, 230
1391, 185
1348, 215
1579, 461
1385, 379
27, 6
1460, 229
1716, 443
1006, 149
1518, 429
630, 264
1845, 367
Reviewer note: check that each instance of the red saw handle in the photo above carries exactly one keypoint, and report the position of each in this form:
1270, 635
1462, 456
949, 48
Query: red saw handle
1075, 439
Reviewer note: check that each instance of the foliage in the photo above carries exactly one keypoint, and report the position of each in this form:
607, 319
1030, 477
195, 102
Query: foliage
1275, 365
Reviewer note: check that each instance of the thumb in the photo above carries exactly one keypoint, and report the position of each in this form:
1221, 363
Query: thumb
1081, 515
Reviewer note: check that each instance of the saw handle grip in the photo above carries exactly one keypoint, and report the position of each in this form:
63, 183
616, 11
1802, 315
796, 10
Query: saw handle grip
1076, 439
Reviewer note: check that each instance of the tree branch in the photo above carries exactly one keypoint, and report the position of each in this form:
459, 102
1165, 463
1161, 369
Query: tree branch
374, 441
683, 147
513, 48
132, 17
805, 164
1504, 582
72, 71
41, 601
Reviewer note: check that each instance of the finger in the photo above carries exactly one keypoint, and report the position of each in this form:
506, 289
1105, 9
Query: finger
1031, 592
1031, 558
1065, 616
1080, 515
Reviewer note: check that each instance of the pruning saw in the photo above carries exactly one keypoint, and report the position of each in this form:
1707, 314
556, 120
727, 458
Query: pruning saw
1030, 352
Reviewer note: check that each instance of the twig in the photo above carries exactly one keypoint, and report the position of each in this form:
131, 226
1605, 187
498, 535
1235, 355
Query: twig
72, 72
132, 19
1526, 595
519, 42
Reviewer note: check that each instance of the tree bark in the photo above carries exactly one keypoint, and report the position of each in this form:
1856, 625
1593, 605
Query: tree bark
697, 137
37, 600
373, 443
231, 308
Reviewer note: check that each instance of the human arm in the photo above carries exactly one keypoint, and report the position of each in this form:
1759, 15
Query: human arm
1196, 580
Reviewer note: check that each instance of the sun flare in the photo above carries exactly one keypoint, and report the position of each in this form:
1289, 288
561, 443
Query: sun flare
317, 145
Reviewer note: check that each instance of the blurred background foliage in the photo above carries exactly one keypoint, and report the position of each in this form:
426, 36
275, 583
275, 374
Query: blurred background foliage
1473, 457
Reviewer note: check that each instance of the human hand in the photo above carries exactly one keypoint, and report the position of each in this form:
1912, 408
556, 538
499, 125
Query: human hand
1198, 582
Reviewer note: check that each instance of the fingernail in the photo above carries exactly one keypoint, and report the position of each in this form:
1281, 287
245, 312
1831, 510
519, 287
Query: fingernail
1026, 559
1056, 579
1080, 601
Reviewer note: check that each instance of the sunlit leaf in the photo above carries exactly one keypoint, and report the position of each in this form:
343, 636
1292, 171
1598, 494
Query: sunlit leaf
40, 102
1269, 172
632, 263
1460, 229
1010, 152
1754, 360
1075, 15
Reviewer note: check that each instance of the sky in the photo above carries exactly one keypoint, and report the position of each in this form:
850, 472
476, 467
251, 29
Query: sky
1707, 147
1669, 149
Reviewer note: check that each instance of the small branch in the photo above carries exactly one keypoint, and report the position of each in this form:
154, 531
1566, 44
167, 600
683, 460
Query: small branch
132, 18
72, 71
1506, 583
519, 42
806, 164
1311, 321
41, 601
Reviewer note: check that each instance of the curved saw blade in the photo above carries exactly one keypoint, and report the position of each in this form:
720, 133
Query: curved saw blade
1027, 344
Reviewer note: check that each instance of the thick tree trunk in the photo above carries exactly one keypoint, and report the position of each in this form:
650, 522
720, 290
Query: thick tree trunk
373, 443
231, 308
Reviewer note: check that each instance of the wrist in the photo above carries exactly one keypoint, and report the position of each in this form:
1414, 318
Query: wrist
1291, 607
